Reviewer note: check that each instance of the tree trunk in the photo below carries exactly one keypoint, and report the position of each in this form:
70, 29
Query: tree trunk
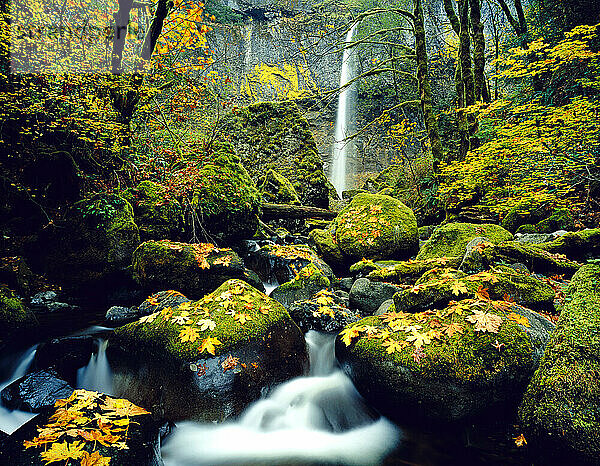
162, 11
274, 211
425, 87
464, 57
481, 92
121, 18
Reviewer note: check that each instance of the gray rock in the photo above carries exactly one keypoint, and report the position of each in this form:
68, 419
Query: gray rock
35, 392
533, 238
346, 283
119, 315
48, 302
385, 306
367, 296
473, 260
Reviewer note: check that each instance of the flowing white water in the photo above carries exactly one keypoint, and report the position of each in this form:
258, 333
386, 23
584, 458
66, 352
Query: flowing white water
97, 374
12, 420
319, 418
342, 123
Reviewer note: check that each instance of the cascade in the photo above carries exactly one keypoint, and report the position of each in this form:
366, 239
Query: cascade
343, 120
97, 374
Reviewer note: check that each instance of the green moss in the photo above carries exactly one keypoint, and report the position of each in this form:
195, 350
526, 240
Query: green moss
309, 276
275, 135
327, 246
561, 219
232, 297
225, 197
575, 244
528, 211
376, 227
157, 215
560, 407
447, 285
402, 272
527, 228
451, 240
13, 313
276, 188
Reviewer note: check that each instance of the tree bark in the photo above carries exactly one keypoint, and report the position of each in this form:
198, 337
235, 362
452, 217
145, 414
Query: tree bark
162, 11
425, 86
481, 92
121, 18
468, 140
274, 211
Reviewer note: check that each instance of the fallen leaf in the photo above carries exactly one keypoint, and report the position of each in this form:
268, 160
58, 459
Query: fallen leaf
206, 324
188, 334
209, 344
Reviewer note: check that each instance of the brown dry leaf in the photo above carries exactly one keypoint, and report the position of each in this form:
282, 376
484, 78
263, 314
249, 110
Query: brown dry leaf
94, 459
485, 322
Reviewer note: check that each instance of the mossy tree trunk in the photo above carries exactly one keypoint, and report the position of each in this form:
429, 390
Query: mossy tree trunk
464, 58
481, 90
425, 86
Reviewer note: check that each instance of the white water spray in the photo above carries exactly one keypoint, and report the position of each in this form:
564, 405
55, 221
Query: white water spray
12, 420
343, 118
97, 374
319, 418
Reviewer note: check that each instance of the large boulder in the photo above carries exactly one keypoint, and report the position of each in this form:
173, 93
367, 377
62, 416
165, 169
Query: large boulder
402, 272
577, 245
527, 212
305, 284
97, 239
156, 211
207, 359
277, 189
437, 289
451, 240
86, 428
35, 392
560, 411
275, 135
225, 198
194, 269
470, 360
376, 227
324, 312
367, 295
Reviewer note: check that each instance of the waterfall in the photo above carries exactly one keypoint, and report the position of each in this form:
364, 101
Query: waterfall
12, 420
97, 374
320, 418
343, 119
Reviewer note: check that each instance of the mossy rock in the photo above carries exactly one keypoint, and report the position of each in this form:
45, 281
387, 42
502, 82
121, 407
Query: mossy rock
305, 284
576, 245
225, 197
239, 343
14, 316
83, 412
275, 135
376, 227
561, 219
447, 285
560, 408
323, 312
98, 239
327, 247
277, 189
195, 269
528, 211
451, 239
437, 366
528, 228
157, 214
408, 272
281, 263
536, 259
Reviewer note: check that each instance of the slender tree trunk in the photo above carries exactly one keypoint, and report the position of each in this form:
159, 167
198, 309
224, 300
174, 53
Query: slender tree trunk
464, 57
481, 92
162, 11
425, 86
121, 18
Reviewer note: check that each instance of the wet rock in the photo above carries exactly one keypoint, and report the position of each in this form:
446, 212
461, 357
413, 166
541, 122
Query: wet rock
473, 260
49, 302
346, 283
412, 368
324, 312
385, 307
305, 284
403, 272
161, 300
35, 392
65, 355
119, 315
207, 359
367, 296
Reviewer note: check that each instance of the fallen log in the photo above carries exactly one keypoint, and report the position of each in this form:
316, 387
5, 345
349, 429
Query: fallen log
275, 211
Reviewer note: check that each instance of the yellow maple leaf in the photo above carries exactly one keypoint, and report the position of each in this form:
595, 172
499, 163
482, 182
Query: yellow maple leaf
181, 319
149, 318
209, 344
485, 321
94, 459
418, 339
188, 334
349, 333
458, 287
120, 407
453, 328
242, 318
63, 451
519, 319
206, 324
392, 346
520, 440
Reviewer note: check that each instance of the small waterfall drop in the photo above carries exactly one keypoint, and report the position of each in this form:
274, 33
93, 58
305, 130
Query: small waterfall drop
320, 418
97, 374
343, 119
12, 420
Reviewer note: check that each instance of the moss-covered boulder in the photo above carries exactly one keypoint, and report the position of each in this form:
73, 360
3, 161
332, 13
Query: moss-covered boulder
376, 227
274, 135
14, 316
281, 263
77, 431
195, 269
367, 295
536, 259
560, 410
157, 213
451, 240
276, 188
576, 245
225, 197
561, 219
466, 361
528, 211
327, 246
305, 284
404, 272
323, 312
97, 239
441, 287
208, 359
